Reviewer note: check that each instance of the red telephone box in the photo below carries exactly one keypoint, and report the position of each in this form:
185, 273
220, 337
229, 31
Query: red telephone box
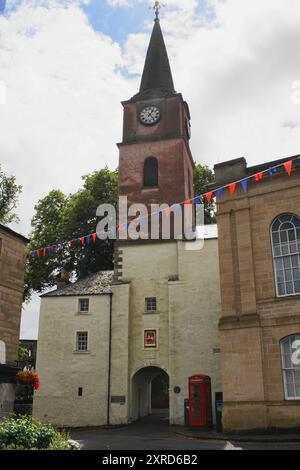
200, 407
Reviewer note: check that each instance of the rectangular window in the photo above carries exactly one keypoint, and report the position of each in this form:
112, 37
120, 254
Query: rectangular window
150, 304
84, 305
80, 391
82, 341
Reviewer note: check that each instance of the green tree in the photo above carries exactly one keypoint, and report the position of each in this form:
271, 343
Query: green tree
203, 176
59, 218
23, 353
9, 193
41, 271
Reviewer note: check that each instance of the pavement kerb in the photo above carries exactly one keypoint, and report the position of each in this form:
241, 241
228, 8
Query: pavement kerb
236, 438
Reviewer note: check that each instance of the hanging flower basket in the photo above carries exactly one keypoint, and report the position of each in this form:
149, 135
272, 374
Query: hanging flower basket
28, 377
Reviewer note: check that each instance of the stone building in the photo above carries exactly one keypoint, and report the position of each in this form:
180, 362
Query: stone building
73, 353
93, 360
161, 326
12, 262
259, 250
172, 291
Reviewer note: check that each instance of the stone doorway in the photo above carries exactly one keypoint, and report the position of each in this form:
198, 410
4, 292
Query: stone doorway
150, 393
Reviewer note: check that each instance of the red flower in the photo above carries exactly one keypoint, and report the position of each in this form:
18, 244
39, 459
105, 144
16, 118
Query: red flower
29, 377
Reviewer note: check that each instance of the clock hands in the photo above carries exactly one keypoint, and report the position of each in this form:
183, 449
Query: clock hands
150, 115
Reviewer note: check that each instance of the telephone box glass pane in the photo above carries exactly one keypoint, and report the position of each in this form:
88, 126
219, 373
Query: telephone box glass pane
196, 402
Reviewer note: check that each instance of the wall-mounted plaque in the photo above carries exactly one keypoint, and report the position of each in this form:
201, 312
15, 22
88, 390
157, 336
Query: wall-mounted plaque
150, 339
118, 399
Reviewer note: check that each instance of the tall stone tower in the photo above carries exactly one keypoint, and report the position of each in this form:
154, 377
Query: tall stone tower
158, 334
156, 164
156, 326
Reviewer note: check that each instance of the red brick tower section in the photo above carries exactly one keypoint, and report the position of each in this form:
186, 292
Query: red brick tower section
157, 125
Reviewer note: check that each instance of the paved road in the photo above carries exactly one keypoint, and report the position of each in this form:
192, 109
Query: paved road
154, 433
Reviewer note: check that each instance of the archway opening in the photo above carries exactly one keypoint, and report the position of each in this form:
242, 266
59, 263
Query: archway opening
150, 393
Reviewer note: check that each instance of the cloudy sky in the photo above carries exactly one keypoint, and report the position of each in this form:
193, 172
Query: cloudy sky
65, 65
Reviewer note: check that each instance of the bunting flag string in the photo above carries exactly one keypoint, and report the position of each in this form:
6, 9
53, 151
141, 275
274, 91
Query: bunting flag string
92, 237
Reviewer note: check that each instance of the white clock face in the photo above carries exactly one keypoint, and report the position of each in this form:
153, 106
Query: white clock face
150, 115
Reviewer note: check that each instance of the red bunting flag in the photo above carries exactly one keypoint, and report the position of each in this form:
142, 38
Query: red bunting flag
288, 166
232, 187
209, 196
257, 177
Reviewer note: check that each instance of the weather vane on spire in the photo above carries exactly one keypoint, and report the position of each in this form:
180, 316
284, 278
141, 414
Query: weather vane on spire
157, 6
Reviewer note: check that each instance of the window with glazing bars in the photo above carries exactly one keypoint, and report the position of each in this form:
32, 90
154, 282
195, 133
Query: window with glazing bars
84, 305
286, 254
150, 304
290, 354
82, 341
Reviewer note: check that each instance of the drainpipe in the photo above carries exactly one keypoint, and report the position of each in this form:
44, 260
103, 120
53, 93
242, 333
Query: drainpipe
109, 360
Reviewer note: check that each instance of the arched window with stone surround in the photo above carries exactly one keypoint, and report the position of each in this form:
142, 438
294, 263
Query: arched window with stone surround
285, 233
2, 352
150, 172
290, 357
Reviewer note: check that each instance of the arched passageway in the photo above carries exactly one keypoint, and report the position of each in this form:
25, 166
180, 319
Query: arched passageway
150, 392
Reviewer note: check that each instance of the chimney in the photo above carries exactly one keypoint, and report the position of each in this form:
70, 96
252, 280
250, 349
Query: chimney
62, 279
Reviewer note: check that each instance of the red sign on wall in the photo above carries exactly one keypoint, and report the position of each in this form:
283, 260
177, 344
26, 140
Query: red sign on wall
150, 339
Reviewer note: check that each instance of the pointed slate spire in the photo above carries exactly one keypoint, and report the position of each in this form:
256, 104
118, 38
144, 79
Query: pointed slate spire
157, 76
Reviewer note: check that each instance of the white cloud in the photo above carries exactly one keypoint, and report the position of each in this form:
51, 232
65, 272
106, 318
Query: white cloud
30, 318
62, 115
128, 3
237, 69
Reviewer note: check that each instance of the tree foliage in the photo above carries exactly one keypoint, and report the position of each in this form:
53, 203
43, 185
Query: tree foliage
203, 176
59, 218
9, 193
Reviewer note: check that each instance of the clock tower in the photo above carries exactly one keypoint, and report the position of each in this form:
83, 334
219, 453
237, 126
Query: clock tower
155, 163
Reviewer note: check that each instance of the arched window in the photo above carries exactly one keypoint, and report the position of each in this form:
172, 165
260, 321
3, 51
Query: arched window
286, 253
290, 355
150, 172
2, 353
